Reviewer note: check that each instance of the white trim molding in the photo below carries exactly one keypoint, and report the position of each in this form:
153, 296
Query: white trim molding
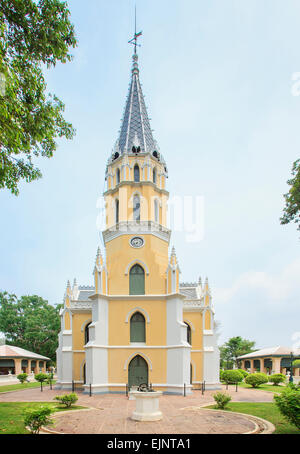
137, 309
145, 357
140, 262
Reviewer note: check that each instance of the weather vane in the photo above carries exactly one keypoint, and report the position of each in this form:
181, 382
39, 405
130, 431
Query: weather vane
136, 35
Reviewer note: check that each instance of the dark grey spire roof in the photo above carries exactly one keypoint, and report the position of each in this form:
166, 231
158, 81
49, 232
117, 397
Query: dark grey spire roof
135, 129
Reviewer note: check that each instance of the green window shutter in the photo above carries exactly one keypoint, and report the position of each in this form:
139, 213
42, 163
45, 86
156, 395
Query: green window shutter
137, 328
137, 281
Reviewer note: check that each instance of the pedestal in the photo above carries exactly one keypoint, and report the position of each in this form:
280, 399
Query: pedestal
147, 406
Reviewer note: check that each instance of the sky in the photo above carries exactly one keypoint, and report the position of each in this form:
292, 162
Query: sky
220, 84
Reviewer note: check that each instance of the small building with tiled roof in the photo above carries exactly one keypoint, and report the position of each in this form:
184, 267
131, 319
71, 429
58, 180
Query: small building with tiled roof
272, 360
15, 360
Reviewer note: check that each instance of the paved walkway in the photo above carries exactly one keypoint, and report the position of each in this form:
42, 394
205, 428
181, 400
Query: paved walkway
110, 413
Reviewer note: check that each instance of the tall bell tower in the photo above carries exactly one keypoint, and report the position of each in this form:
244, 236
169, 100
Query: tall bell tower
136, 199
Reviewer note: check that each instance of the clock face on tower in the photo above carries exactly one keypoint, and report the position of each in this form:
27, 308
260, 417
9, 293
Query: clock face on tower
137, 241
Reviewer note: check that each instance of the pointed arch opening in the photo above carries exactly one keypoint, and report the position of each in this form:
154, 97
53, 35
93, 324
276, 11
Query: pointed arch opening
118, 176
137, 280
154, 176
137, 328
156, 211
137, 371
188, 333
87, 333
117, 210
136, 208
136, 172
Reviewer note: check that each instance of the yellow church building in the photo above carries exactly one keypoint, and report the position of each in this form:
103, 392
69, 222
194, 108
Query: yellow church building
138, 323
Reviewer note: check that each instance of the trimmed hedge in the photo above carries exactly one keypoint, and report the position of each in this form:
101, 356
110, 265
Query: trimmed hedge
256, 379
34, 419
67, 399
243, 372
288, 403
222, 399
232, 376
277, 378
22, 377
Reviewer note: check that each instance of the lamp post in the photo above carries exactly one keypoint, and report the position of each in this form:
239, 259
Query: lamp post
291, 373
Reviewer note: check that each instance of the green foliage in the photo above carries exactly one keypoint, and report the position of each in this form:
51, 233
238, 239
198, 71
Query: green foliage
296, 363
221, 374
277, 378
67, 399
291, 211
288, 402
41, 377
30, 323
232, 376
22, 377
36, 418
243, 372
32, 34
256, 379
234, 347
222, 399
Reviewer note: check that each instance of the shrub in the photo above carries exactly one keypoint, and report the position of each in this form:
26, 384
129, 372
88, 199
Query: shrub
221, 374
221, 399
243, 372
36, 418
277, 378
41, 377
22, 377
256, 379
296, 363
288, 403
67, 399
232, 376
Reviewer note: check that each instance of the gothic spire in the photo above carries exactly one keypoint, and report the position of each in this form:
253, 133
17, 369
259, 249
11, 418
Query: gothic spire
135, 134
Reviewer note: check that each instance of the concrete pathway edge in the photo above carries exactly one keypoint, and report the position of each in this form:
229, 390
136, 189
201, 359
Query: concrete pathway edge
268, 427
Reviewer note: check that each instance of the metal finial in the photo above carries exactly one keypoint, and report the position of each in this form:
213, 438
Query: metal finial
136, 35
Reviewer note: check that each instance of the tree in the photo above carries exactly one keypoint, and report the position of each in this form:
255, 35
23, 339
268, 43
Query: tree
30, 323
292, 198
234, 347
32, 34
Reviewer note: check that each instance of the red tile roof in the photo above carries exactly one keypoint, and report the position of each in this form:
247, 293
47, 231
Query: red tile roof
17, 352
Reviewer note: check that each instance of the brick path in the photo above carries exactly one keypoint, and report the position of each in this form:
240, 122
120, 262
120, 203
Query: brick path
111, 413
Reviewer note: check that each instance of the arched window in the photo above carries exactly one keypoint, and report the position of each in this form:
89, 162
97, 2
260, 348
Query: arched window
154, 176
188, 334
136, 173
118, 176
117, 204
136, 280
137, 328
136, 208
86, 333
156, 211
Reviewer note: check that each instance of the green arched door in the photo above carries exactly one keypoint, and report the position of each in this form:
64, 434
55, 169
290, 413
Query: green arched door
137, 371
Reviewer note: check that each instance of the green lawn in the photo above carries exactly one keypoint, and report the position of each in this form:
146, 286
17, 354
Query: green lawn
12, 415
266, 387
20, 386
265, 410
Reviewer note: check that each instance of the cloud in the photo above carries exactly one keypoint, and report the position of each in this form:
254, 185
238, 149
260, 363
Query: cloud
276, 288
